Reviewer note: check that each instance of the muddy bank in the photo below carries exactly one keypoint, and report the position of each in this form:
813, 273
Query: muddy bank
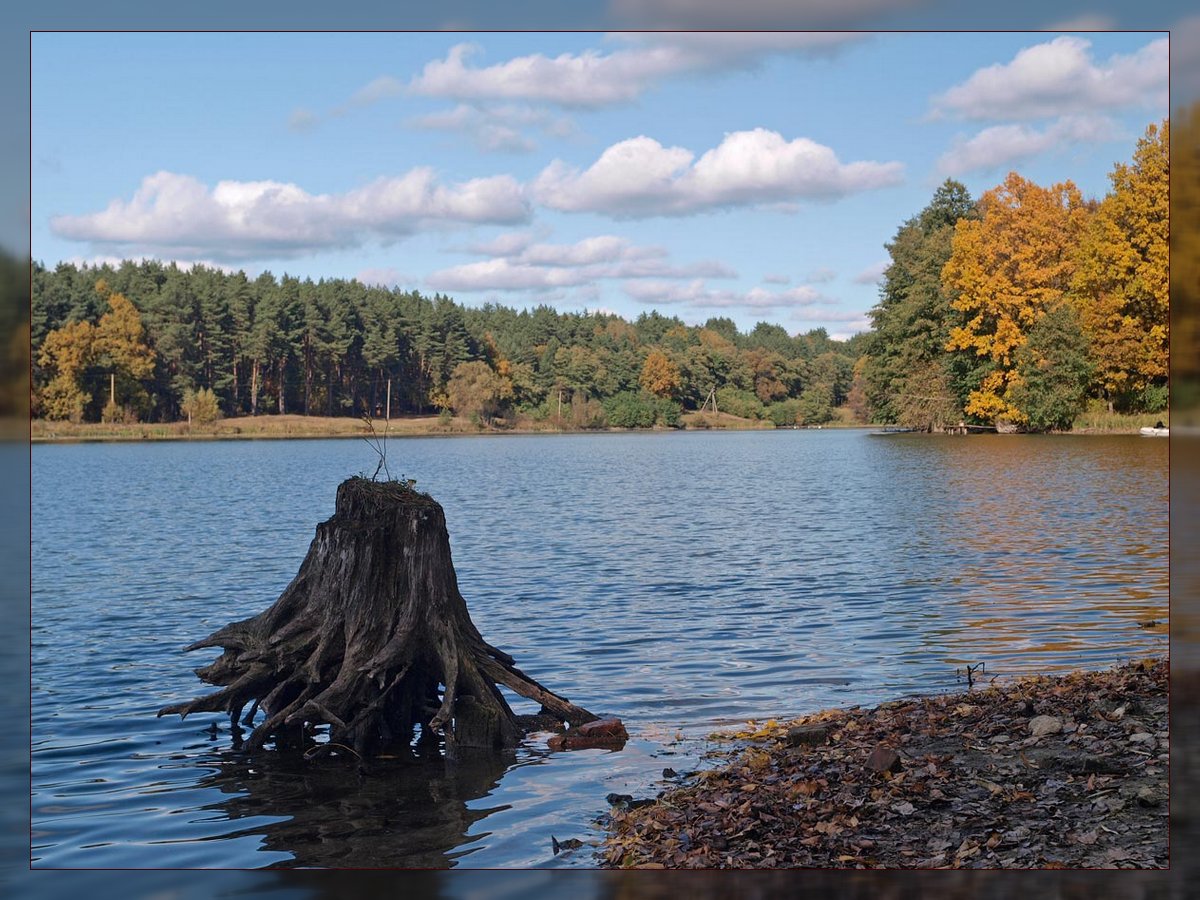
1055, 772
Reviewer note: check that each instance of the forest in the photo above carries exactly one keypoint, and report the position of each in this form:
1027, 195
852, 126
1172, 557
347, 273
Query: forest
1018, 307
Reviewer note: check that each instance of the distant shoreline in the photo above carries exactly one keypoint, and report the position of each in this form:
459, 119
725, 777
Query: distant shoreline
298, 427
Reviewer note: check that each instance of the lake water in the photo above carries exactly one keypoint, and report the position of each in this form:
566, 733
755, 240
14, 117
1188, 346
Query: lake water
683, 581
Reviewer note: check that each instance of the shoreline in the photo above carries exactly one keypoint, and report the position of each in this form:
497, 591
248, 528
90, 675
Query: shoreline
298, 427
1066, 771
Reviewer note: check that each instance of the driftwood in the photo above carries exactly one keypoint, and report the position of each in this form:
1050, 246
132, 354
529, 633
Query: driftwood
372, 638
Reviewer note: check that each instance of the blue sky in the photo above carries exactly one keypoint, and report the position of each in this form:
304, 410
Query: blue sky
754, 176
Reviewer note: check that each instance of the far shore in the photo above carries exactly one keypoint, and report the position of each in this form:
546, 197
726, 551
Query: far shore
291, 427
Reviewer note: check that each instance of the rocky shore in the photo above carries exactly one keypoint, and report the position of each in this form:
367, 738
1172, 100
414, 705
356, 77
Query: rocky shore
1051, 772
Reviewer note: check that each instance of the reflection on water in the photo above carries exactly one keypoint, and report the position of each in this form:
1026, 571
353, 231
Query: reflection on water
331, 815
681, 581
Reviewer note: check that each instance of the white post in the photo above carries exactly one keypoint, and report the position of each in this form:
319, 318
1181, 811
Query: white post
388, 414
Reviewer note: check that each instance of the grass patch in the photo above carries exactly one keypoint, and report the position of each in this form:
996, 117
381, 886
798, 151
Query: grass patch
1096, 419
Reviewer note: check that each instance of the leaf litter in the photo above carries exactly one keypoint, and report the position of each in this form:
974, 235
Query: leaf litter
976, 786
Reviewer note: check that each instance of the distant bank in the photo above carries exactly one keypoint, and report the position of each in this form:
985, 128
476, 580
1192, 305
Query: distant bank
296, 426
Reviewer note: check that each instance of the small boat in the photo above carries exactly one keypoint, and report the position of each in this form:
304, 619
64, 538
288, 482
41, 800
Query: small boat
1155, 431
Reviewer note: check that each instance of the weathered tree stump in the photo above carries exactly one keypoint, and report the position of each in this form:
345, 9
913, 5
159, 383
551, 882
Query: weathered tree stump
373, 638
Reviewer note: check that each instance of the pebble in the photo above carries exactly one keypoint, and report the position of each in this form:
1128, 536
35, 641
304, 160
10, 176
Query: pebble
1040, 725
810, 735
884, 759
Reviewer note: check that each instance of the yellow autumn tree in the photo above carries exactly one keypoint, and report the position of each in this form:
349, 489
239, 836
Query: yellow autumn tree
67, 351
660, 376
1007, 268
116, 345
1121, 282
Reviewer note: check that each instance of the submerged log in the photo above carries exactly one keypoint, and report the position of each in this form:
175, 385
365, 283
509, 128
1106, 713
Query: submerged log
372, 638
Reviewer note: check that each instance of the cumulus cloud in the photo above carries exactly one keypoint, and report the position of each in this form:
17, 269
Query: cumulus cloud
1003, 145
1060, 77
777, 279
520, 265
822, 275
496, 127
754, 13
593, 78
178, 214
640, 177
872, 273
381, 88
697, 294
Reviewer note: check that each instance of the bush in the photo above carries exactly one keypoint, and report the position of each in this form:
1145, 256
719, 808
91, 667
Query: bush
739, 403
587, 413
1155, 398
816, 406
200, 406
631, 409
784, 413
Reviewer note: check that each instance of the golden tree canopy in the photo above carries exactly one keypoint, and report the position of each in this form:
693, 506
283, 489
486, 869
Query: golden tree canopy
1121, 284
1007, 268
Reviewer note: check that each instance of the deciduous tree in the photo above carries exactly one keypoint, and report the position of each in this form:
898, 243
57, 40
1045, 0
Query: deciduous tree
1008, 267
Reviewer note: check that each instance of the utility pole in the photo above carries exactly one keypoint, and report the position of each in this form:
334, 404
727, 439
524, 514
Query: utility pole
112, 388
388, 412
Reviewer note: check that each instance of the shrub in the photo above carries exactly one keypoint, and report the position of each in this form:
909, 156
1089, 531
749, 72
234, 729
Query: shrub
632, 409
739, 403
816, 406
784, 413
200, 406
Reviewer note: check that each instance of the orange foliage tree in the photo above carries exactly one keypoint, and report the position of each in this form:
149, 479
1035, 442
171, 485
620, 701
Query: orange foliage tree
659, 375
1008, 267
1121, 283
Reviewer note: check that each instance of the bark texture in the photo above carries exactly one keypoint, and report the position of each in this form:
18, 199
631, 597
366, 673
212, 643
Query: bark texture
373, 638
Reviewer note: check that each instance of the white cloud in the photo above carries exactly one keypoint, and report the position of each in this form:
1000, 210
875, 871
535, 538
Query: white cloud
509, 243
496, 127
523, 266
822, 275
753, 13
380, 89
593, 79
1060, 77
697, 294
234, 220
640, 177
1003, 145
777, 279
872, 273
115, 262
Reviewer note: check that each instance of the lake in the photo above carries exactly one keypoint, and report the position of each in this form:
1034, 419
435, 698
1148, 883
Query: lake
683, 581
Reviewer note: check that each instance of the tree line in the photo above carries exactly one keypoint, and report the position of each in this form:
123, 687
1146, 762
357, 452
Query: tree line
1021, 306
147, 341
1018, 308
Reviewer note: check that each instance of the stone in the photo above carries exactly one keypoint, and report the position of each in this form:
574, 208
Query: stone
884, 759
1040, 725
807, 735
607, 732
1141, 738
1147, 796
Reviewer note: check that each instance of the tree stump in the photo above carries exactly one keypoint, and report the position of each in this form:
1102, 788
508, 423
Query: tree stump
373, 638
